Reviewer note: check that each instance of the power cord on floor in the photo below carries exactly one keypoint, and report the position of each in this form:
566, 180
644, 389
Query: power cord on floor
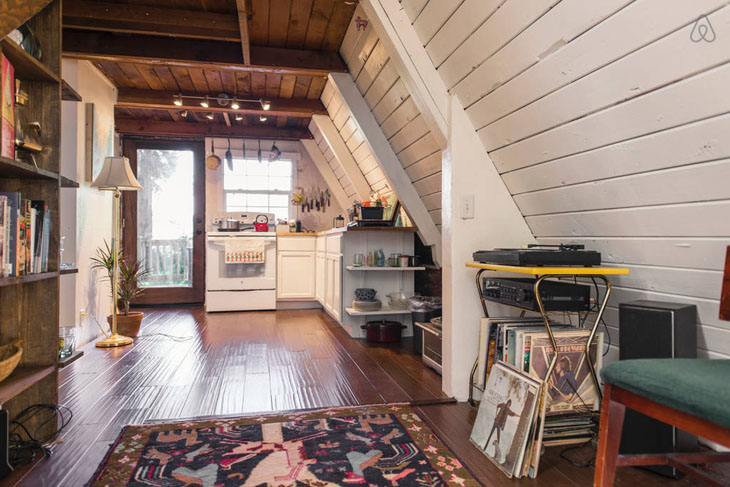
25, 445
591, 461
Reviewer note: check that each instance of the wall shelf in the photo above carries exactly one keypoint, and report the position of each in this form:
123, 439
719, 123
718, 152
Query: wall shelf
385, 268
70, 270
68, 183
385, 310
21, 379
26, 66
68, 93
10, 168
71, 358
11, 281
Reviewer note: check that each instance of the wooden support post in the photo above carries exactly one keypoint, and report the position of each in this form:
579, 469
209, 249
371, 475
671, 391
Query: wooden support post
243, 29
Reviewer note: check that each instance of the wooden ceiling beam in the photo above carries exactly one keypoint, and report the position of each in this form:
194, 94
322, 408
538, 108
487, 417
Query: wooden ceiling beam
162, 100
153, 128
243, 30
196, 53
145, 19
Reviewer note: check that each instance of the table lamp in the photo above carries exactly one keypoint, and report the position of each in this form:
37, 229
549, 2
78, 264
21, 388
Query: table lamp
116, 176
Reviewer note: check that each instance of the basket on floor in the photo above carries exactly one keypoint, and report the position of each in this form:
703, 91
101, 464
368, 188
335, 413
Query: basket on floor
9, 358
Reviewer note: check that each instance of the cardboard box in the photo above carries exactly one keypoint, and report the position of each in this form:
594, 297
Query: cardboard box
7, 108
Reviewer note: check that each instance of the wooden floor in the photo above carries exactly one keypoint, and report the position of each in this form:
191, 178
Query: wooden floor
241, 363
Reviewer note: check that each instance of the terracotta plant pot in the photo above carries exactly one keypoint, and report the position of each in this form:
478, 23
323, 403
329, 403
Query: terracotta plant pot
128, 325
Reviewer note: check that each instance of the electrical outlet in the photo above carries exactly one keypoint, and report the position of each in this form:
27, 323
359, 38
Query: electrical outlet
466, 207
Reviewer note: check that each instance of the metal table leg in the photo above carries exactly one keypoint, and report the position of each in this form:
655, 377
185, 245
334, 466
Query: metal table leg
587, 351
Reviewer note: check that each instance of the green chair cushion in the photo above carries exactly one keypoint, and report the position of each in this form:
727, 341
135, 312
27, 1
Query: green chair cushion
696, 386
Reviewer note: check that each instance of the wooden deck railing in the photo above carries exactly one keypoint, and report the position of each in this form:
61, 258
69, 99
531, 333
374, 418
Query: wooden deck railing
169, 262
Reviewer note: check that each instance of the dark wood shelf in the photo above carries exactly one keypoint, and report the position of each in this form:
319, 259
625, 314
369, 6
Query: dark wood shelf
10, 168
21, 379
11, 281
68, 183
68, 271
63, 362
26, 66
68, 93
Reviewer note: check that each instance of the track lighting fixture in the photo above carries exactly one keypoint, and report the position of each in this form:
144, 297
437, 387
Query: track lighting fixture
222, 99
177, 100
205, 103
265, 104
262, 118
209, 116
239, 117
184, 114
235, 105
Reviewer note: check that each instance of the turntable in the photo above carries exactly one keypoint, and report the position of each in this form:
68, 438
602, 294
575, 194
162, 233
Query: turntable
536, 255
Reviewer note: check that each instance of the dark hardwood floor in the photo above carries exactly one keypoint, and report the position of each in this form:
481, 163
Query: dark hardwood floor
242, 363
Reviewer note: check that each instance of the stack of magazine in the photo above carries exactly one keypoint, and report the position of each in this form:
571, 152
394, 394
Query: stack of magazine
521, 410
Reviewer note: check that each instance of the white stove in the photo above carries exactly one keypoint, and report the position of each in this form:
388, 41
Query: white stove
239, 286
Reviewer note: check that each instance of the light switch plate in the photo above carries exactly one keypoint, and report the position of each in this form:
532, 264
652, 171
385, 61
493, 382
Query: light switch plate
466, 207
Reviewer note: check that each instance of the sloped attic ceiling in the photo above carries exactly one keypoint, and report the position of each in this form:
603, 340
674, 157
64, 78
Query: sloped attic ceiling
605, 122
395, 111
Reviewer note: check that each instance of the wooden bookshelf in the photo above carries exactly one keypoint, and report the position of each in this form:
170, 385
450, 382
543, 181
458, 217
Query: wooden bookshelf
21, 379
68, 183
68, 93
29, 305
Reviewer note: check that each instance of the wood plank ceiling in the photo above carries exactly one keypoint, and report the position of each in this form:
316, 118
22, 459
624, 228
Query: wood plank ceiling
154, 49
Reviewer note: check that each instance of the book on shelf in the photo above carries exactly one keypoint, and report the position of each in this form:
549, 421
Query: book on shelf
7, 108
24, 235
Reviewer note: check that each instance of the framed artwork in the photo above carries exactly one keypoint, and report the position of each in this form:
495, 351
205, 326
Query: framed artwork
99, 140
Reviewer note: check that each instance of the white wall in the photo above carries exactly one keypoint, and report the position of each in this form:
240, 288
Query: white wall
306, 174
85, 212
608, 125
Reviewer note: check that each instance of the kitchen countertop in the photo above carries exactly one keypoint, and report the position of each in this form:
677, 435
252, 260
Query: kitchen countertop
335, 231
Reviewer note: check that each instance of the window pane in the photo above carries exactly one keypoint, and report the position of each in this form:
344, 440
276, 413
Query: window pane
280, 213
261, 199
280, 183
258, 183
280, 168
256, 168
281, 200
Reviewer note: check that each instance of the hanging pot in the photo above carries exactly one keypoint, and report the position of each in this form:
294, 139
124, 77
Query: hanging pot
212, 161
261, 225
229, 156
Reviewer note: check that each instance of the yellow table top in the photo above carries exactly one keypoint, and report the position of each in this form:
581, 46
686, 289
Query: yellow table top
558, 271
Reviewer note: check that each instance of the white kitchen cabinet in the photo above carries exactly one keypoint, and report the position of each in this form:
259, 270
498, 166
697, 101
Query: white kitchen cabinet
320, 266
295, 276
334, 285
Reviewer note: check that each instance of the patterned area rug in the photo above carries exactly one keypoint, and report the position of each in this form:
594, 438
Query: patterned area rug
375, 446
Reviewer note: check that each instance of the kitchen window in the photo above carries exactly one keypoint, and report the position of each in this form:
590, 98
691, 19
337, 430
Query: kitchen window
262, 187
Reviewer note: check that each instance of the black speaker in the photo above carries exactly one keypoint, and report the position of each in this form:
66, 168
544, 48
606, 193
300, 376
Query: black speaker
651, 329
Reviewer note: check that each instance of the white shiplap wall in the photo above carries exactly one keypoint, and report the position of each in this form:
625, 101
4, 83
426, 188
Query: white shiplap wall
609, 126
394, 109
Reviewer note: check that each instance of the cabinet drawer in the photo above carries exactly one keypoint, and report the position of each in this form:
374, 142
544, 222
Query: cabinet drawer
334, 245
297, 244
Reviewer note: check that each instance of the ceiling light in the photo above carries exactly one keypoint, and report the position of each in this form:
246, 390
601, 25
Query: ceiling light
235, 104
178, 101
184, 114
266, 105
206, 102
262, 118
239, 117
209, 116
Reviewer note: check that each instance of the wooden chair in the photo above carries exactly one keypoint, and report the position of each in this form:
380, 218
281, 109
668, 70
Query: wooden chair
691, 394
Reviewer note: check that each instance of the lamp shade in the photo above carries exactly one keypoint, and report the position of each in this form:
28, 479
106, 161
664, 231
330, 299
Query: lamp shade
116, 174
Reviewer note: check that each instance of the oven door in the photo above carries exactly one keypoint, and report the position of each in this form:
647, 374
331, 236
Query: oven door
220, 276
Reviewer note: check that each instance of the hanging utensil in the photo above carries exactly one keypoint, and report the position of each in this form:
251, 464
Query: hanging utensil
212, 161
329, 200
259, 152
275, 153
229, 156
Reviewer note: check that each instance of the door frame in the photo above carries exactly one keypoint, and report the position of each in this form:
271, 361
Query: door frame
169, 295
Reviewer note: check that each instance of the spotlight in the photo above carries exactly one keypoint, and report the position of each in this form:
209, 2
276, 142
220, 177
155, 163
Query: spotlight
262, 118
235, 104
177, 100
239, 117
209, 116
266, 105
206, 102
184, 114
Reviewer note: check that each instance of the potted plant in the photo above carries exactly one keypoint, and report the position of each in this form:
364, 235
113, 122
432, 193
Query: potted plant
128, 322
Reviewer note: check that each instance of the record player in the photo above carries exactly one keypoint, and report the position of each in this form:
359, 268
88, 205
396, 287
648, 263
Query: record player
541, 255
